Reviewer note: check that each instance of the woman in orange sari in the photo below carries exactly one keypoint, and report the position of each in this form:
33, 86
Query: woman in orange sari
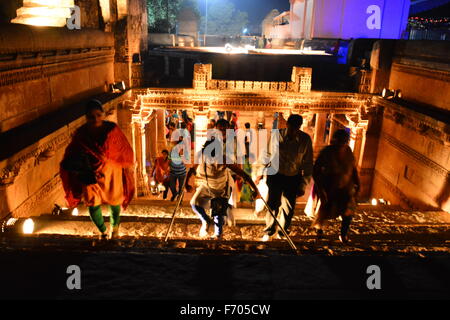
97, 169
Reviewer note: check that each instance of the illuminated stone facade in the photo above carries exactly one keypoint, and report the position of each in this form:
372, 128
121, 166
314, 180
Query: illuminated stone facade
46, 76
251, 97
402, 156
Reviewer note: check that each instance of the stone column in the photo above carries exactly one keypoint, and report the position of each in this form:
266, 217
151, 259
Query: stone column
160, 132
139, 149
333, 128
306, 126
201, 124
368, 151
358, 136
319, 133
143, 154
136, 156
152, 134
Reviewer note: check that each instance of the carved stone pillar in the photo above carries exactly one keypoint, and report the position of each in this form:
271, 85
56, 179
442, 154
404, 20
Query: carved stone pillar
319, 133
152, 135
368, 151
261, 119
140, 154
160, 130
201, 125
307, 123
358, 134
333, 128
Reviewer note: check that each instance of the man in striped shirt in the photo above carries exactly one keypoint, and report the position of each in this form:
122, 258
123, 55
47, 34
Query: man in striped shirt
177, 170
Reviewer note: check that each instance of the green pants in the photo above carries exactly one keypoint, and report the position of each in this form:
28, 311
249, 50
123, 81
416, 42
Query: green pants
97, 217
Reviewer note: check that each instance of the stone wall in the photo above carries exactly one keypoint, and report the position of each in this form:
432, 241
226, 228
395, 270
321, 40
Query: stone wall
413, 67
419, 66
42, 69
131, 42
29, 180
90, 14
413, 162
413, 158
46, 76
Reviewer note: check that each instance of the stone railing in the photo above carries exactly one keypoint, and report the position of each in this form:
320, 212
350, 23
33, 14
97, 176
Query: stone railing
240, 85
300, 82
250, 85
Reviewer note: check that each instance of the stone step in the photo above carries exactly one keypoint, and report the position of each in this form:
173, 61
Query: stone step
249, 231
359, 245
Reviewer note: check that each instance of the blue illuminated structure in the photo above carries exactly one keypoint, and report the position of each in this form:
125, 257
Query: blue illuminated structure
345, 19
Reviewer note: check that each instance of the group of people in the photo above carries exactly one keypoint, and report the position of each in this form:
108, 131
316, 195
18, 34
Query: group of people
98, 166
336, 182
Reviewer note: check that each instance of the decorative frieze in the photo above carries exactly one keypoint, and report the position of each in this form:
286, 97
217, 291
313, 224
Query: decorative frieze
40, 71
398, 145
327, 102
417, 122
32, 158
36, 200
421, 71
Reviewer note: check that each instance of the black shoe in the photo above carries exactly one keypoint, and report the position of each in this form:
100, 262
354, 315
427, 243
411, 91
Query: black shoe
281, 235
319, 233
164, 195
343, 239
173, 197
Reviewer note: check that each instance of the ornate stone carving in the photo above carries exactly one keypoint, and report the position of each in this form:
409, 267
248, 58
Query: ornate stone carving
8, 77
414, 154
417, 122
41, 196
31, 158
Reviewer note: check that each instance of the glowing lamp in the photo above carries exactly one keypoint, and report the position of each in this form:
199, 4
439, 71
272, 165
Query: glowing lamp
49, 3
391, 94
28, 226
18, 225
374, 202
75, 212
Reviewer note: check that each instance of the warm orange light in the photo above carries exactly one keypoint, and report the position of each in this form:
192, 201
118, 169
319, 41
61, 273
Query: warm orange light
41, 21
52, 13
49, 3
28, 226
44, 12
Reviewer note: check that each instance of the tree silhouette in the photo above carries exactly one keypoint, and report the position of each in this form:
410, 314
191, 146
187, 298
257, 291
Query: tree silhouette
224, 19
162, 14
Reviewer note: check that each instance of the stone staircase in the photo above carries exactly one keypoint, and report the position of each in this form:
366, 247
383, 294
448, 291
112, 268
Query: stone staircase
144, 224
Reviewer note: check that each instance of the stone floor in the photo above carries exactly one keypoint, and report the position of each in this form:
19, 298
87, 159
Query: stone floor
412, 250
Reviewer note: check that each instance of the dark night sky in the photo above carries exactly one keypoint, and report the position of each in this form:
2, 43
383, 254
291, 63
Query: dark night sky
256, 9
